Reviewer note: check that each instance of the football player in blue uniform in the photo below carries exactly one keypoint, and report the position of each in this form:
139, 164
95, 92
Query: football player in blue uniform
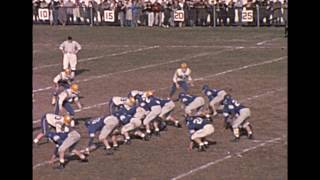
199, 127
236, 117
167, 107
191, 103
64, 141
154, 108
215, 97
132, 121
93, 125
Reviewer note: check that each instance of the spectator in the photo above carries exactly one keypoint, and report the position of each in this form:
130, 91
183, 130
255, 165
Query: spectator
277, 12
150, 14
156, 8
176, 6
36, 5
69, 9
113, 7
202, 13
265, 12
231, 12
186, 12
249, 6
139, 11
121, 11
43, 4
54, 6
239, 6
105, 5
83, 11
167, 13
262, 10
285, 12
193, 14
209, 5
128, 7
62, 14
270, 12
76, 11
223, 12
135, 13
93, 9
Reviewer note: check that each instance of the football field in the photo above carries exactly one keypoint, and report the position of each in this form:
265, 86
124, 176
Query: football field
250, 63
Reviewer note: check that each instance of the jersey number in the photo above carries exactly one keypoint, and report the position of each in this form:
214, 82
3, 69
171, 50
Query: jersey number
95, 121
197, 121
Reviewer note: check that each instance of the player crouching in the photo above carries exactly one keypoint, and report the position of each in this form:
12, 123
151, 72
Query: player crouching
64, 141
199, 127
236, 118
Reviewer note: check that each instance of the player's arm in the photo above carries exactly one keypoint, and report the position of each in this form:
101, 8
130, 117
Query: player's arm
56, 80
78, 47
61, 47
62, 96
175, 77
190, 78
77, 101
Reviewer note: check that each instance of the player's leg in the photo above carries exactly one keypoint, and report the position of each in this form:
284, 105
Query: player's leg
73, 137
166, 112
173, 89
44, 129
114, 141
67, 106
244, 114
184, 86
56, 107
197, 104
73, 64
202, 133
156, 127
196, 137
110, 123
133, 124
248, 128
65, 61
155, 111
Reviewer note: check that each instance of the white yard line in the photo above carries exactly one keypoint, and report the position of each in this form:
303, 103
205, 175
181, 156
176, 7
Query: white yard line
237, 154
99, 57
143, 67
242, 67
266, 41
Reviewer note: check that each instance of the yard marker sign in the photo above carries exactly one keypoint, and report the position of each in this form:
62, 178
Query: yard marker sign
247, 16
109, 16
178, 15
43, 14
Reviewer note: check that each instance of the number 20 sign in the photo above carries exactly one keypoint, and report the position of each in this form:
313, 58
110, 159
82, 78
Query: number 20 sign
178, 15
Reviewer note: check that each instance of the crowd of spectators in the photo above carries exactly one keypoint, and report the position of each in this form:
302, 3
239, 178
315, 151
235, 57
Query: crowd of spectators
132, 13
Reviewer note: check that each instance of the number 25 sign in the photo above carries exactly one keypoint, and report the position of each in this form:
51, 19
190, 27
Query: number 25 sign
247, 16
